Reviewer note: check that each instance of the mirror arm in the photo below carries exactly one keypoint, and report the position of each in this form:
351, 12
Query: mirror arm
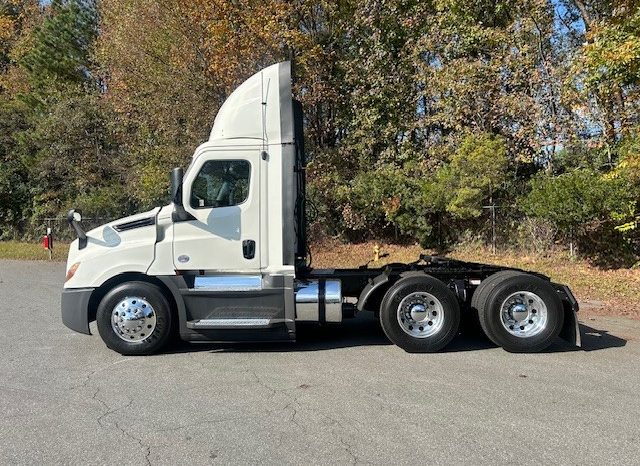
82, 236
179, 213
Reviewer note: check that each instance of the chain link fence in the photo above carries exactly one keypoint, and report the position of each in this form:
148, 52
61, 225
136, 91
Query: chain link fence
61, 229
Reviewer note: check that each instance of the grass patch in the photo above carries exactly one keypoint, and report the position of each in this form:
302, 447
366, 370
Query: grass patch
32, 251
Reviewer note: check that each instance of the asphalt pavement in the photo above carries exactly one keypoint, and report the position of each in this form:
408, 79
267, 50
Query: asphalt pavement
341, 395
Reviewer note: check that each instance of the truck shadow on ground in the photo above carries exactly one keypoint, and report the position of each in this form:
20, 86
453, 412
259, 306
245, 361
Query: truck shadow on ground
594, 339
364, 330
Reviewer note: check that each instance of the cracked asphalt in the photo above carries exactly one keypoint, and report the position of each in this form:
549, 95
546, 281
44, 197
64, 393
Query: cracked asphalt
341, 395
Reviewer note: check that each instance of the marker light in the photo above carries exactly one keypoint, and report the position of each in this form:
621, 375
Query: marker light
72, 271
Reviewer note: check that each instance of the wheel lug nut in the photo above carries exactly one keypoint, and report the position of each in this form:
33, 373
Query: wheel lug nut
530, 321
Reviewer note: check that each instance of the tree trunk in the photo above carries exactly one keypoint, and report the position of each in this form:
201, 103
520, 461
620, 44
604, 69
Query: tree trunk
586, 18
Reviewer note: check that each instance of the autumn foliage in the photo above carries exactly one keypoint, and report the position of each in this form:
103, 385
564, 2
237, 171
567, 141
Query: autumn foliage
422, 117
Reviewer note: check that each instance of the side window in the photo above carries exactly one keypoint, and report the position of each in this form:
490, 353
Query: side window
221, 183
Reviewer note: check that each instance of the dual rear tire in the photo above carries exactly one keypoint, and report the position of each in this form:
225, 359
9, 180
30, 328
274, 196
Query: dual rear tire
518, 311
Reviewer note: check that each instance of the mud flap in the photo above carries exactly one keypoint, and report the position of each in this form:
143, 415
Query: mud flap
571, 329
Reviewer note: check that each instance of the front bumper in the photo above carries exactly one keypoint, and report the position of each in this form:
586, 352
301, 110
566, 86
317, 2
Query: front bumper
75, 308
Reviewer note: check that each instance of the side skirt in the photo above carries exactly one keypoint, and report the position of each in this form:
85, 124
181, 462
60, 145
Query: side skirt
209, 311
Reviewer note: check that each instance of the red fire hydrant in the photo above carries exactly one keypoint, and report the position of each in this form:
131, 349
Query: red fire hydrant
47, 241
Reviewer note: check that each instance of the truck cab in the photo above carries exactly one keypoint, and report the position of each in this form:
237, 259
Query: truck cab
227, 259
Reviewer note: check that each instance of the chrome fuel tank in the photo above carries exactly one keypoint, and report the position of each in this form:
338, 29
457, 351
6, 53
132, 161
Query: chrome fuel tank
319, 301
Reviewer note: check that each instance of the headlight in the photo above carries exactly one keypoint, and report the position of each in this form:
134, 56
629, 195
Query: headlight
72, 271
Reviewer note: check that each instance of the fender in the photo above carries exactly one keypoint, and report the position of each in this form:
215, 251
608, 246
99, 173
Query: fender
381, 280
173, 285
371, 288
571, 328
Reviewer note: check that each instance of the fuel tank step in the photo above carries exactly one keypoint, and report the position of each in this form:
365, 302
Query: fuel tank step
214, 324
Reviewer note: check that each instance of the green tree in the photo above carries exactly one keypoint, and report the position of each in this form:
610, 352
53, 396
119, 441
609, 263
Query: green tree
14, 179
68, 145
580, 203
17, 18
60, 51
72, 156
476, 173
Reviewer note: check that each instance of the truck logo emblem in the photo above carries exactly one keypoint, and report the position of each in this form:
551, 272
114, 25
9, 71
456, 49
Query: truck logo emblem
183, 258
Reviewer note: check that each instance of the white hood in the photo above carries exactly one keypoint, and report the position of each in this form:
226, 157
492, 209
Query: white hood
124, 245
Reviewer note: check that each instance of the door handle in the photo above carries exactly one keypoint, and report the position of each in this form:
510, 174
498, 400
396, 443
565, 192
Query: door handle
249, 248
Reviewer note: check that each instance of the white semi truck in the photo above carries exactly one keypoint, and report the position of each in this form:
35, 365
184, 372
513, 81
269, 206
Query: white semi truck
227, 259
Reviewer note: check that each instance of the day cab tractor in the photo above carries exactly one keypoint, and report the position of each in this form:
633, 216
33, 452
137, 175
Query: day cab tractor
226, 261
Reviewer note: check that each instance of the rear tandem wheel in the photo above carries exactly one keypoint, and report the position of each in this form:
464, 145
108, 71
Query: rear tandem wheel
518, 311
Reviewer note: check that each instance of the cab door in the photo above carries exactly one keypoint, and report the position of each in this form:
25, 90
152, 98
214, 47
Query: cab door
221, 191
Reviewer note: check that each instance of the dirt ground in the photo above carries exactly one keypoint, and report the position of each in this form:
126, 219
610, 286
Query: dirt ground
601, 292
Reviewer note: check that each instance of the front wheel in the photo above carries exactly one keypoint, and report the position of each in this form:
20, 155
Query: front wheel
420, 314
134, 318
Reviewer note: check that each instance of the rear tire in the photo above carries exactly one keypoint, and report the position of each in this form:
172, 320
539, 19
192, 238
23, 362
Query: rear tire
420, 314
479, 298
518, 311
134, 318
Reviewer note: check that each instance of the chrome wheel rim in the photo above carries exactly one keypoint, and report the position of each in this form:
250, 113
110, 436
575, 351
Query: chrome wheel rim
133, 319
524, 314
420, 315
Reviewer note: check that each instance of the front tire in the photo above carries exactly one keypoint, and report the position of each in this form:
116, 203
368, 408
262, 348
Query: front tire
134, 318
420, 314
